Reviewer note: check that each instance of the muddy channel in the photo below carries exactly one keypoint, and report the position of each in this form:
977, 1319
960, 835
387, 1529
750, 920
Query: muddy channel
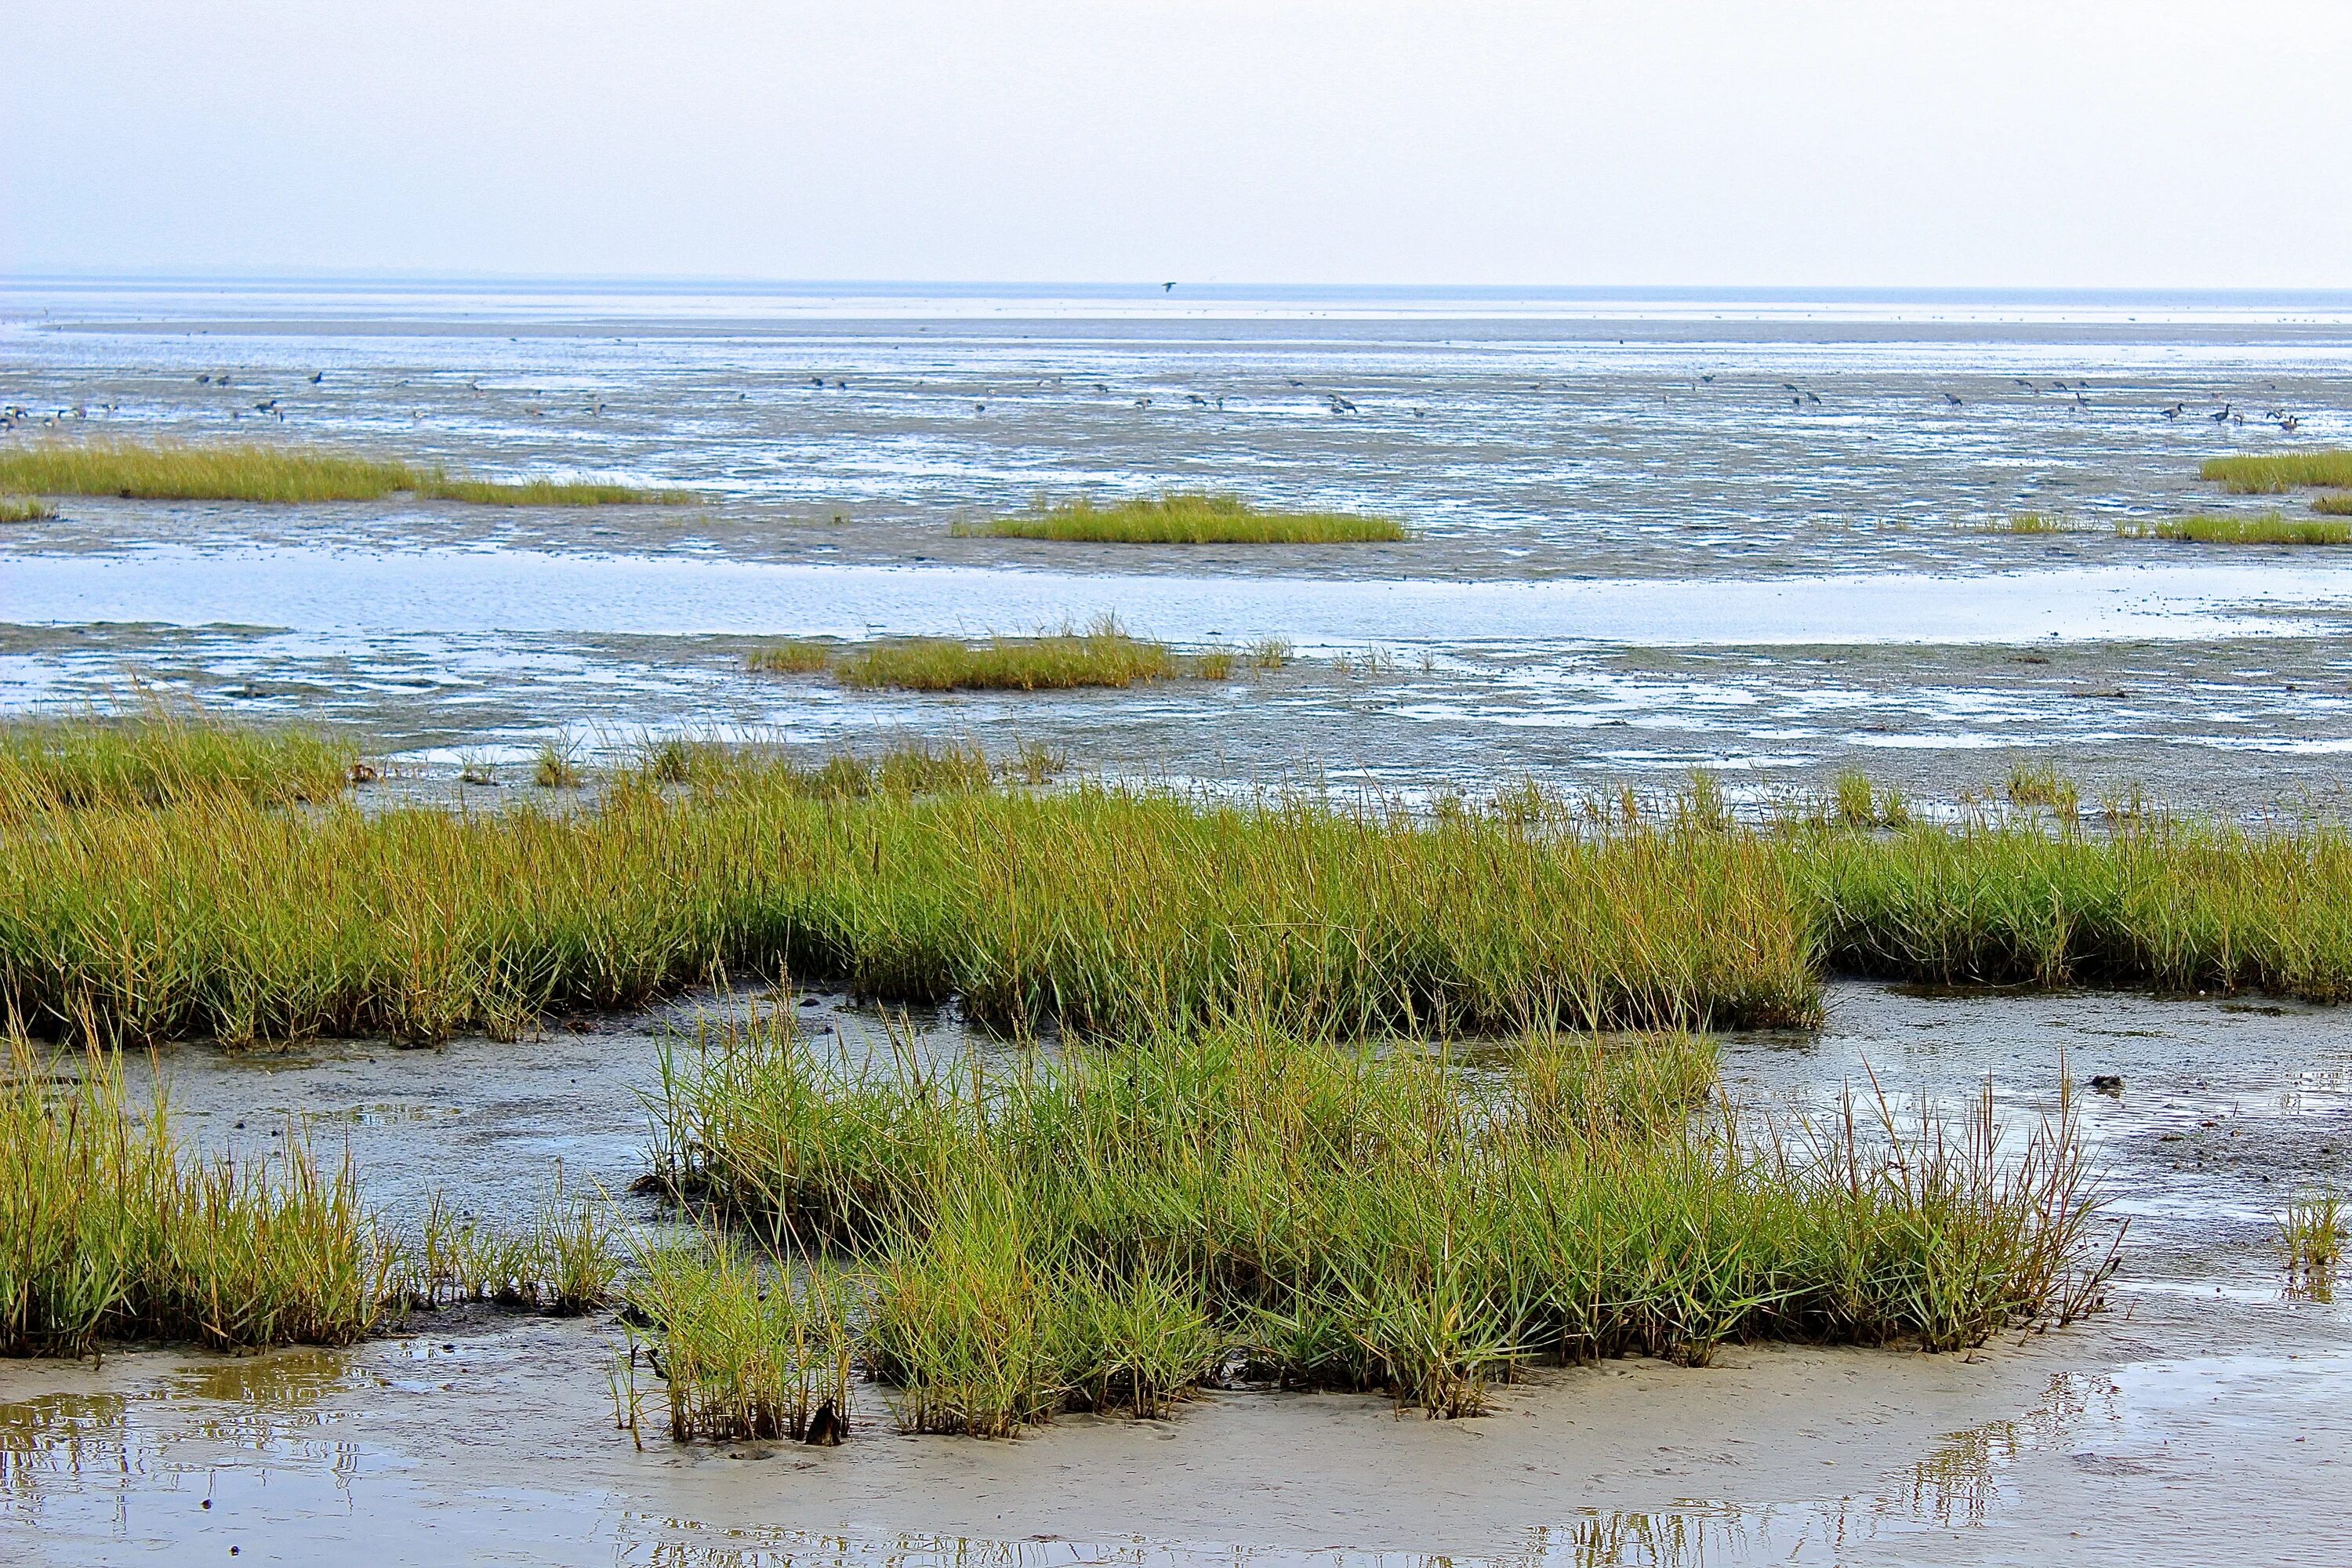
2205, 1417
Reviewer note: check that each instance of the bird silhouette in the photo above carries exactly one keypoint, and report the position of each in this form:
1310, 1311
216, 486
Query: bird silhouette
1952, 400
318, 377
2223, 417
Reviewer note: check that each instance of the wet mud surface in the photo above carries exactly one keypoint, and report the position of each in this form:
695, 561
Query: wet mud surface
1743, 534
2206, 1416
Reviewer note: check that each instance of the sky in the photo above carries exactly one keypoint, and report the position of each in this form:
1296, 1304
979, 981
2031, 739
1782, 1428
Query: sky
1985, 144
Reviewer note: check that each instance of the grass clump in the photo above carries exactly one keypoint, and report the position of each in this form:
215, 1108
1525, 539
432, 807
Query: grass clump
1108, 1229
2271, 528
799, 656
110, 1230
2033, 523
2311, 1236
557, 766
747, 1351
2334, 503
565, 1262
164, 757
1188, 518
2041, 785
1103, 656
2248, 474
254, 471
1856, 802
24, 509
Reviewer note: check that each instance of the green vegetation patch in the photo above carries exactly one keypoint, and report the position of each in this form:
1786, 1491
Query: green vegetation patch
2033, 523
164, 757
252, 471
22, 509
2334, 503
1101, 656
1188, 518
1106, 1230
2268, 529
2276, 474
134, 914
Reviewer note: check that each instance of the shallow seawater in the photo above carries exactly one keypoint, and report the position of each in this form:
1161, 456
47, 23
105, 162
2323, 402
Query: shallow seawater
2205, 1403
1653, 533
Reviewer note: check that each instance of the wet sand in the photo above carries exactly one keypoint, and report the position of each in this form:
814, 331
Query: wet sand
2206, 1416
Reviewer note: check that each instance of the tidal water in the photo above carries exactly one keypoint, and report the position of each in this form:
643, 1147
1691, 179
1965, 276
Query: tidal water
1655, 532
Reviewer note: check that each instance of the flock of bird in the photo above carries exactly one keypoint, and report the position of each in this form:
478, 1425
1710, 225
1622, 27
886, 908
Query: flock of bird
14, 415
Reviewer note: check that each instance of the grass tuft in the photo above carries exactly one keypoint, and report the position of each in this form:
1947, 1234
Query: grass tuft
558, 765
746, 1349
2041, 785
22, 509
2033, 523
2334, 503
1187, 518
2248, 474
2312, 1234
252, 471
2271, 528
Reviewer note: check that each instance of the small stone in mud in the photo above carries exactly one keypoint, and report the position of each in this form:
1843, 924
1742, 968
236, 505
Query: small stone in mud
2107, 1083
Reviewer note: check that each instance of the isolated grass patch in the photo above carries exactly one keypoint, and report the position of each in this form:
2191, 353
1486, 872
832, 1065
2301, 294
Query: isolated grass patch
2271, 528
160, 757
2275, 474
254, 471
2334, 503
1102, 655
1106, 1229
1188, 518
2031, 522
22, 509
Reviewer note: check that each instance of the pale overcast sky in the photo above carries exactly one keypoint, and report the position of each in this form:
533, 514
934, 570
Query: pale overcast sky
2149, 143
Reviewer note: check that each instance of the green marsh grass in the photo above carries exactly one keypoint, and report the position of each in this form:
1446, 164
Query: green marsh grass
148, 914
746, 1348
1100, 908
164, 756
22, 509
2033, 523
2334, 503
2271, 528
2041, 785
1188, 518
557, 766
2312, 1234
2249, 474
795, 658
254, 471
1107, 1230
1101, 656
110, 1228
